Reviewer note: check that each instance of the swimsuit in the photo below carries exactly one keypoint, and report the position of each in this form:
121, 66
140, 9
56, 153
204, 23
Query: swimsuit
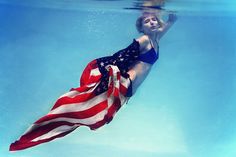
151, 56
124, 60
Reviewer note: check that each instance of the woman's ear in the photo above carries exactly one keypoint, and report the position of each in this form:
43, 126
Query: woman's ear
141, 30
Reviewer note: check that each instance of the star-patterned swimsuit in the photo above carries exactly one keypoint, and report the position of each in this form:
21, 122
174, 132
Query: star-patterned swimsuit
124, 59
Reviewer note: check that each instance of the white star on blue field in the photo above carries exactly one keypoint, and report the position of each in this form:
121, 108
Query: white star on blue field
185, 107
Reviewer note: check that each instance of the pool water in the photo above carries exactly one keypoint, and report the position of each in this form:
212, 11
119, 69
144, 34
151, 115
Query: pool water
185, 108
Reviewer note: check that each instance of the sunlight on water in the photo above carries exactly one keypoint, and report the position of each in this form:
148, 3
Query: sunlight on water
122, 5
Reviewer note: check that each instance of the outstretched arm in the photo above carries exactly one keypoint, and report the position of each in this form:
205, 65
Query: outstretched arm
166, 25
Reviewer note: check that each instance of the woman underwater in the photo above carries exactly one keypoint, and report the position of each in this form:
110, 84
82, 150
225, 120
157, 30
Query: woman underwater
105, 85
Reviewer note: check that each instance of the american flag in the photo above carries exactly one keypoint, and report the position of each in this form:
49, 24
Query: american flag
93, 104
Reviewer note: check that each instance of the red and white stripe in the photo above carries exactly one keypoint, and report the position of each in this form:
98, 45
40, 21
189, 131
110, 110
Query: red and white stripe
80, 106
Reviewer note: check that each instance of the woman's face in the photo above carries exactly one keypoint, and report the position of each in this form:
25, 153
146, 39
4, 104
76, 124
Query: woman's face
150, 25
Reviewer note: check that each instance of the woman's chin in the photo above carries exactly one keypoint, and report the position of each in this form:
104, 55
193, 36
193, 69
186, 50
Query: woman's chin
154, 30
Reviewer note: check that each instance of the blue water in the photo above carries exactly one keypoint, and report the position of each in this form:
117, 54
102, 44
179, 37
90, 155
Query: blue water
185, 108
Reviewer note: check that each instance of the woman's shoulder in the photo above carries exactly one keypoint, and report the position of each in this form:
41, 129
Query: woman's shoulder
143, 41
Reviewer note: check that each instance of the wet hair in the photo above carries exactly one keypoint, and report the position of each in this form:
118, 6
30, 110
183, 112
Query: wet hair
139, 21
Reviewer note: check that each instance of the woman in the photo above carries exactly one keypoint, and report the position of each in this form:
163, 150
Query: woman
153, 29
137, 65
105, 86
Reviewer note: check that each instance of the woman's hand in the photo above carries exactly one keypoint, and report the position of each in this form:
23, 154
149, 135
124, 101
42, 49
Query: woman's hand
172, 18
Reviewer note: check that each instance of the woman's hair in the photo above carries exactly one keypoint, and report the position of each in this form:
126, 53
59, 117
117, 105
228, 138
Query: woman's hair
139, 21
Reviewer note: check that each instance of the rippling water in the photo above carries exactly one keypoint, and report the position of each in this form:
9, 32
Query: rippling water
121, 5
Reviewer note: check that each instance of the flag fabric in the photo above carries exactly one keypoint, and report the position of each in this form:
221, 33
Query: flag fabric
93, 104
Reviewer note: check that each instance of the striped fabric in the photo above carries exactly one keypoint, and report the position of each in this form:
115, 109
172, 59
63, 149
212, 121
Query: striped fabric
83, 106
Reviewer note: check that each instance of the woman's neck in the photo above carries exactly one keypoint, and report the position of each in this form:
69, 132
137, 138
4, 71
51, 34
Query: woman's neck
153, 38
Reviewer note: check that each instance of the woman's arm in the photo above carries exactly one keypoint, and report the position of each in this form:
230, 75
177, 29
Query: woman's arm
165, 26
143, 42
